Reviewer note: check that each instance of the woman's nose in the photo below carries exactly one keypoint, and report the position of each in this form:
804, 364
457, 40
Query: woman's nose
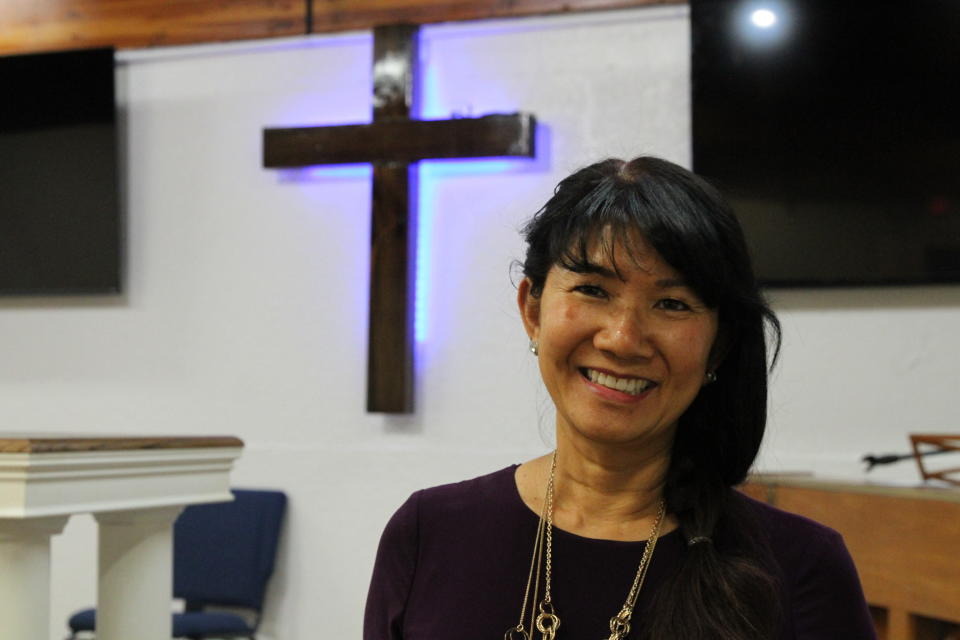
626, 334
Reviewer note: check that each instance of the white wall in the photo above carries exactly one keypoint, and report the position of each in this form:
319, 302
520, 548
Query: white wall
245, 305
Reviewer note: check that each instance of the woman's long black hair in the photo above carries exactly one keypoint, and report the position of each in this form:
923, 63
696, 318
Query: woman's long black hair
725, 589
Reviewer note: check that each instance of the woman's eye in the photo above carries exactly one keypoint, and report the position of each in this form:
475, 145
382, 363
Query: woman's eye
672, 304
590, 290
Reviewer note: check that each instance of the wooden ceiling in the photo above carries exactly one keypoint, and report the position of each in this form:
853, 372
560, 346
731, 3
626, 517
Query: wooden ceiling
51, 25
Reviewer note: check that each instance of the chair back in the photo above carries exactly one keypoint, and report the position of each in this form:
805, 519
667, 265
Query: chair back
224, 553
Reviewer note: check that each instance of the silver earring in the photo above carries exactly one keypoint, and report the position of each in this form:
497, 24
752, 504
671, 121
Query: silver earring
710, 377
534, 348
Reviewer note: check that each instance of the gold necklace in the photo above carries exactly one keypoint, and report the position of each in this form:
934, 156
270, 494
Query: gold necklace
546, 621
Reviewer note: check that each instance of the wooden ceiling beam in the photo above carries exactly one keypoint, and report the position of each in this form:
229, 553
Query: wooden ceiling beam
344, 15
52, 25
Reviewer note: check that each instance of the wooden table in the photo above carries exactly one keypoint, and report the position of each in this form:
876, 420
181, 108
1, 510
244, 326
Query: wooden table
905, 542
135, 488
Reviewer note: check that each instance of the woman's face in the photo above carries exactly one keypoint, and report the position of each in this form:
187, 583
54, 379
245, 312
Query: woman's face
622, 356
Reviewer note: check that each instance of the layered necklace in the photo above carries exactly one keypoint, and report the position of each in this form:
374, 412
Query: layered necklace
543, 617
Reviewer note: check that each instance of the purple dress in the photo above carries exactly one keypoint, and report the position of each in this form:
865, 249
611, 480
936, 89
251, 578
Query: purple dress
453, 563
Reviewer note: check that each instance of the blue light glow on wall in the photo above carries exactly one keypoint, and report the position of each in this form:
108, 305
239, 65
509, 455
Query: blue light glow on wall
431, 174
327, 173
450, 60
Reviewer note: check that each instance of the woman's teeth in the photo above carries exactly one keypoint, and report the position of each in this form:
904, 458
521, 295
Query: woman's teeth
632, 386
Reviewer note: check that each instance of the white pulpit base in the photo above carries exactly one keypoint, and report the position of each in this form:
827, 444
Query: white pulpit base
135, 487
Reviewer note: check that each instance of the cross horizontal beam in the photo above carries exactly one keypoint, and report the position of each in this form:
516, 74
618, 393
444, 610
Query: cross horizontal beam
401, 140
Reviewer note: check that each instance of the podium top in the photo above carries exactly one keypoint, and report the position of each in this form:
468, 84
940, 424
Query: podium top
66, 443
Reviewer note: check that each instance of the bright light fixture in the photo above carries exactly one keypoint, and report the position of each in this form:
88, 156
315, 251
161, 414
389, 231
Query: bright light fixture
763, 18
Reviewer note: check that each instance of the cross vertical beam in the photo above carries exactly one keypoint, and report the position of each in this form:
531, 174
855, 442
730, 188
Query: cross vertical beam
392, 239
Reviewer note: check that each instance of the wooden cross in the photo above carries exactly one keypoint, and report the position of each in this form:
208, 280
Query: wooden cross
392, 142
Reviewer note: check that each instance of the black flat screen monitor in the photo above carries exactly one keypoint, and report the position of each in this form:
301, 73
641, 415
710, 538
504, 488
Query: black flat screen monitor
60, 225
834, 128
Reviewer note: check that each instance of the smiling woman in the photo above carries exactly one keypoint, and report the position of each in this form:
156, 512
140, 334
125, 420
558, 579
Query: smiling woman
651, 336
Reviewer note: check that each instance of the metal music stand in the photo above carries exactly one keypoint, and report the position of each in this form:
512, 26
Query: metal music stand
935, 444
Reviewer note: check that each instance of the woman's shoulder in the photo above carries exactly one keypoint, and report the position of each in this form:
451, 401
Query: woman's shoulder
449, 514
807, 551
819, 578
794, 539
492, 491
785, 523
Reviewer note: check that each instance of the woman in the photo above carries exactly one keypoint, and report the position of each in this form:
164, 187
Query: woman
644, 314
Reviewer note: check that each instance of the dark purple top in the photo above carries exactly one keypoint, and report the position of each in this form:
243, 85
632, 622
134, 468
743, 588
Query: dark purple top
453, 563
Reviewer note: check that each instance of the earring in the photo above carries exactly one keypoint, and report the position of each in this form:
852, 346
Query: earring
710, 377
534, 348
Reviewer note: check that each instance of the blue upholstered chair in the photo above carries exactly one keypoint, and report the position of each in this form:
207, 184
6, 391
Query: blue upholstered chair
223, 556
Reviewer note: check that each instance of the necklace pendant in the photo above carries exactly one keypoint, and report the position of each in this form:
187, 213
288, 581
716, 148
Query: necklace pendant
547, 622
620, 624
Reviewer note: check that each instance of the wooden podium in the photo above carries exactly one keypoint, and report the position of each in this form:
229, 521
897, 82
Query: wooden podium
905, 542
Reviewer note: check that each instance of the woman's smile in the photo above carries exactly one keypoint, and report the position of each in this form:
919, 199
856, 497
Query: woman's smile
624, 388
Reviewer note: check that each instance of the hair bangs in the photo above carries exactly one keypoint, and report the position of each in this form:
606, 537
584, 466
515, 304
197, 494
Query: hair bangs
599, 226
607, 221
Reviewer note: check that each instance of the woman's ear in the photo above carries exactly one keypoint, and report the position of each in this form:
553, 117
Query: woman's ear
529, 308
